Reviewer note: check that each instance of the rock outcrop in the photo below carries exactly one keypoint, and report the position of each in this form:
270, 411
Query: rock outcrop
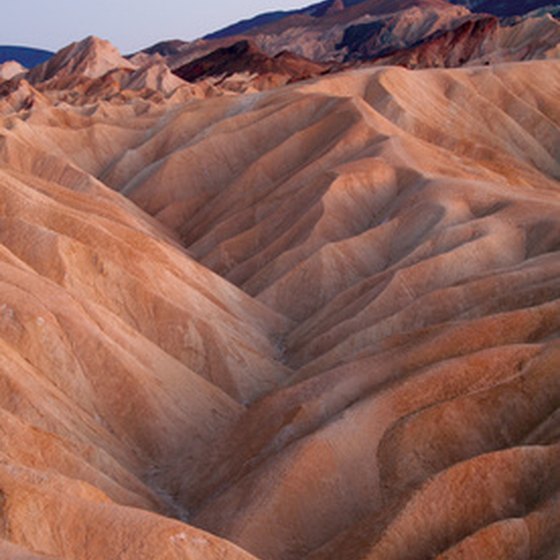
10, 69
482, 41
251, 65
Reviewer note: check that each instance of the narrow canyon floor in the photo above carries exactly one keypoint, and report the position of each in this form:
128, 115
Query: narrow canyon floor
317, 322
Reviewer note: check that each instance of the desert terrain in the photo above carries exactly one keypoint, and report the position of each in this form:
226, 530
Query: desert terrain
267, 305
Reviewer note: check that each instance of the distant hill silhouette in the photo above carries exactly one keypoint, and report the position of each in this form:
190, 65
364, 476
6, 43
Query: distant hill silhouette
26, 56
318, 9
497, 7
244, 25
504, 8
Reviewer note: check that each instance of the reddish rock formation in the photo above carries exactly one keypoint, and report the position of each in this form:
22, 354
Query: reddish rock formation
481, 41
245, 57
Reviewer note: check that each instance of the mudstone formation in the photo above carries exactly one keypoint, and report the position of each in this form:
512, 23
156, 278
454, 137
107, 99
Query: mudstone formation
287, 292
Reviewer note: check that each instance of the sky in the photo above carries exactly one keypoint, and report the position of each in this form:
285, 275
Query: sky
128, 24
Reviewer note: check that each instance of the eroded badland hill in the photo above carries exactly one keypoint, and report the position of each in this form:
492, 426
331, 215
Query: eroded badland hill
295, 310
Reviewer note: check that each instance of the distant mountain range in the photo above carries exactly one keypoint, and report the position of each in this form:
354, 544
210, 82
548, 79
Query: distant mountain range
495, 7
277, 48
31, 57
26, 56
315, 10
338, 33
504, 7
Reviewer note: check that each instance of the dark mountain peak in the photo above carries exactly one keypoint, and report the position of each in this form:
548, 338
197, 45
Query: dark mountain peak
26, 56
328, 8
245, 56
166, 48
245, 47
336, 6
319, 9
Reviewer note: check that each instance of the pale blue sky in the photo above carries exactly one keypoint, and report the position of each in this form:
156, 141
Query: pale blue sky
129, 24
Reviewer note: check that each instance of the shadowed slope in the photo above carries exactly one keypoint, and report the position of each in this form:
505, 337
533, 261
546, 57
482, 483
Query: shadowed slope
109, 366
